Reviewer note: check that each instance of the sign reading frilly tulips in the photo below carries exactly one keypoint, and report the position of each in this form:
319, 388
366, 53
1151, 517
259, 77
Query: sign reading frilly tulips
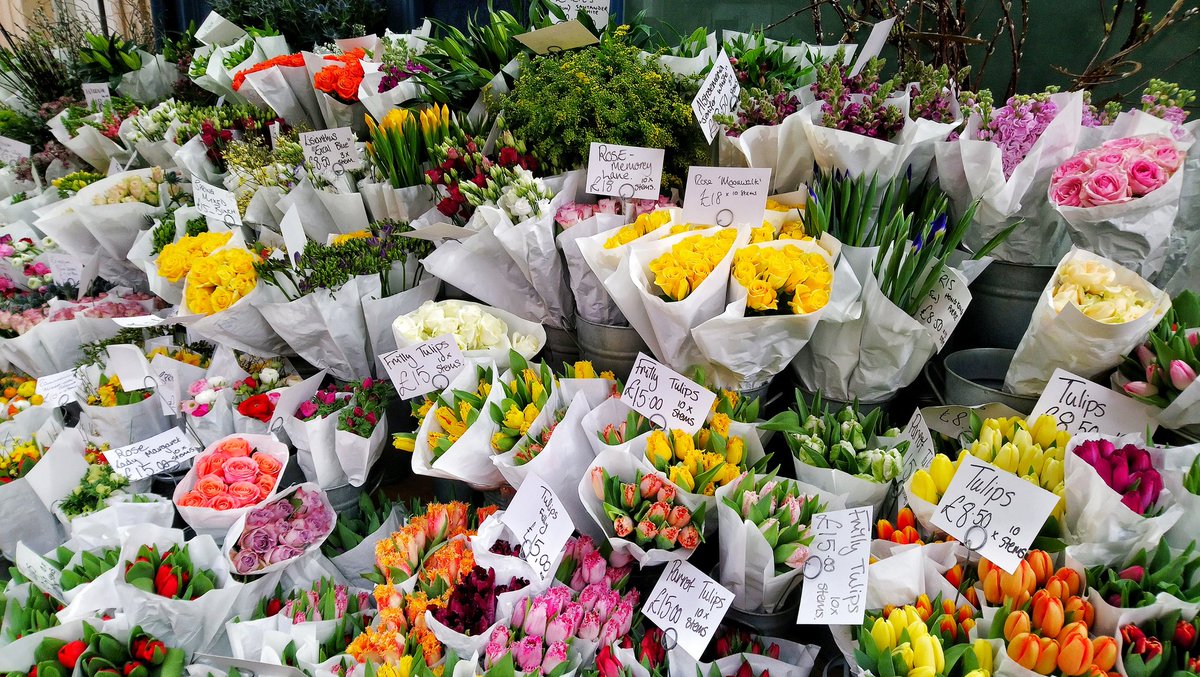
835, 586
1083, 407
666, 397
425, 367
993, 512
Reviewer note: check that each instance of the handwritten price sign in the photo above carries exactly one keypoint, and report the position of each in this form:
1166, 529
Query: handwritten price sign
597, 9
96, 94
539, 519
160, 453
216, 203
717, 96
688, 603
666, 397
944, 306
331, 151
59, 389
425, 367
920, 449
836, 591
1083, 407
12, 151
726, 195
625, 171
39, 570
993, 512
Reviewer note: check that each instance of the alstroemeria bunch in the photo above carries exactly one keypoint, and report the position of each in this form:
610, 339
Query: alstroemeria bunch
324, 601
1127, 471
203, 393
400, 556
534, 442
569, 213
1091, 287
1167, 363
169, 573
109, 393
97, 484
17, 458
844, 439
1013, 127
903, 643
678, 272
282, 530
232, 475
647, 511
583, 564
454, 414
1146, 574
1162, 647
1117, 171
524, 397
699, 463
471, 607
365, 408
142, 656
781, 513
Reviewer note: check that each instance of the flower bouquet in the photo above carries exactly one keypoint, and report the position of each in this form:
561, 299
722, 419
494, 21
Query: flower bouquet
1120, 200
918, 642
777, 292
1161, 371
400, 148
1003, 160
306, 607
228, 479
1181, 476
272, 535
396, 83
282, 84
698, 465
642, 514
1116, 502
26, 476
481, 332
336, 81
117, 413
614, 425
841, 450
361, 433
1091, 313
224, 288
482, 602
454, 440
602, 244
1149, 579
167, 261
1159, 642
311, 429
91, 132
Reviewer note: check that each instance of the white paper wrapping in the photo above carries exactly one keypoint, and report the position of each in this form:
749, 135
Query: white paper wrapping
468, 459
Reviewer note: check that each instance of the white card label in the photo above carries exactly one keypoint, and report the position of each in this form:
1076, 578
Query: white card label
331, 151
921, 450
688, 602
944, 306
59, 389
717, 96
273, 131
540, 520
597, 9
625, 171
1081, 406
91, 270
726, 195
130, 365
953, 420
835, 592
139, 321
160, 453
166, 372
425, 367
63, 267
875, 42
666, 397
216, 203
294, 239
994, 512
40, 571
96, 94
12, 151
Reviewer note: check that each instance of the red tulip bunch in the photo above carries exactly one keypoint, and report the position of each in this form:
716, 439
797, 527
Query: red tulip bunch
169, 574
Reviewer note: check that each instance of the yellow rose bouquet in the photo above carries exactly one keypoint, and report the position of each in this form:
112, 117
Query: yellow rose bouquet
777, 294
223, 287
1091, 314
168, 271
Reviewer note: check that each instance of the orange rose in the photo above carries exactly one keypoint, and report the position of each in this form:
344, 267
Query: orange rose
347, 87
235, 447
192, 499
221, 502
265, 484
267, 464
245, 493
211, 464
326, 79
210, 486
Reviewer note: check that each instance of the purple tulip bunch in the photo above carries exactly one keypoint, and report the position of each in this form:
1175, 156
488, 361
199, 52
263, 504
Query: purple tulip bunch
1128, 471
543, 627
282, 530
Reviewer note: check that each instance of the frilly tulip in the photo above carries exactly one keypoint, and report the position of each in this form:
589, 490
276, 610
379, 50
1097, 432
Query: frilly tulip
1104, 653
1025, 649
1047, 657
1075, 655
1048, 616
1017, 623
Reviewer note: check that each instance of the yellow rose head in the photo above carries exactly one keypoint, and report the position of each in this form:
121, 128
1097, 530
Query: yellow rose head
222, 298
764, 233
761, 296
198, 300
673, 282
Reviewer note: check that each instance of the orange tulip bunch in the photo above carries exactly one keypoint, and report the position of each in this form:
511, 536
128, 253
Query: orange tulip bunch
955, 575
903, 532
1044, 620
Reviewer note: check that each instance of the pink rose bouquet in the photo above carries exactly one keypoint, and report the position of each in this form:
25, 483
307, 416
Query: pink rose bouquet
281, 530
231, 475
1118, 171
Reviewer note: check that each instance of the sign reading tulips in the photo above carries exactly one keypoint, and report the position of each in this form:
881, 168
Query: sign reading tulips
540, 520
993, 512
689, 604
666, 397
1083, 407
425, 367
835, 592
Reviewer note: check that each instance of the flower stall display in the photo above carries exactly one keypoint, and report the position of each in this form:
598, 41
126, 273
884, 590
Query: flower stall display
228, 479
481, 332
272, 535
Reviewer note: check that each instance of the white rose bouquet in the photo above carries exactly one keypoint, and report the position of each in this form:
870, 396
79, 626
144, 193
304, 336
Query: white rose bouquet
481, 332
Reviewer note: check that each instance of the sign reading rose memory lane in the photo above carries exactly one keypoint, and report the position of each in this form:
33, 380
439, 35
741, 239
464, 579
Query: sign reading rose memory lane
624, 171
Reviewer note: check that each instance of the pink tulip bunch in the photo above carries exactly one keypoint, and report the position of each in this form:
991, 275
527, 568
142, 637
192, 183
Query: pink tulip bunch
1127, 470
1118, 171
583, 564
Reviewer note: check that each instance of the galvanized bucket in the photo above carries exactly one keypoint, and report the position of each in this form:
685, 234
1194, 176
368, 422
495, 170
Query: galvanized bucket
608, 347
976, 376
561, 348
1002, 301
344, 497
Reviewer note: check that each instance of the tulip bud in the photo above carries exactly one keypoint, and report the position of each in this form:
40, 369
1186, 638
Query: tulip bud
1048, 656
883, 635
1017, 623
1042, 565
1025, 650
1182, 375
1075, 655
1104, 653
983, 653
941, 469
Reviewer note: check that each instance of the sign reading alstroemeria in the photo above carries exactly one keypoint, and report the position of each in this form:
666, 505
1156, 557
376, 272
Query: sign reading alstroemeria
717, 96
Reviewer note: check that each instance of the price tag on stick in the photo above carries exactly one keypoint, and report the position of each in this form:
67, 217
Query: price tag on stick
726, 196
39, 571
688, 604
540, 520
12, 151
59, 389
160, 453
1082, 407
96, 94
666, 397
718, 95
216, 203
425, 367
993, 512
835, 592
625, 171
944, 306
331, 151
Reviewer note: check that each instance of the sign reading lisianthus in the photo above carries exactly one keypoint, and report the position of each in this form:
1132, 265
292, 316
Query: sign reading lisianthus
1118, 171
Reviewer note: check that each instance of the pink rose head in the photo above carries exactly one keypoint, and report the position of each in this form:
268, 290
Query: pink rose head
1168, 157
1126, 143
1066, 192
1080, 164
1108, 157
1146, 176
1105, 186
198, 387
240, 469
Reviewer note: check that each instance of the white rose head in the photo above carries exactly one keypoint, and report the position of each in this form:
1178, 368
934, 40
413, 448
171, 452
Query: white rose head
268, 375
493, 332
292, 380
217, 382
526, 345
406, 326
20, 245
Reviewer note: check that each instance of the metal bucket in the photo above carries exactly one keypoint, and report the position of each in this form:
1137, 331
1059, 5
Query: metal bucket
1002, 301
449, 291
976, 376
608, 347
344, 497
561, 348
864, 406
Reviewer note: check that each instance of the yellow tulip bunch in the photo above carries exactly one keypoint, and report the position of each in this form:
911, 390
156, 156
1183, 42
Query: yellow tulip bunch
220, 280
701, 463
678, 272
645, 223
1033, 451
176, 259
904, 642
801, 279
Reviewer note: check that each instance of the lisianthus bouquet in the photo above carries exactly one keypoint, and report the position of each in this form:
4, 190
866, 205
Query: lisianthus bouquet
841, 450
1161, 371
1091, 313
479, 331
271, 536
1119, 200
1161, 646
227, 479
